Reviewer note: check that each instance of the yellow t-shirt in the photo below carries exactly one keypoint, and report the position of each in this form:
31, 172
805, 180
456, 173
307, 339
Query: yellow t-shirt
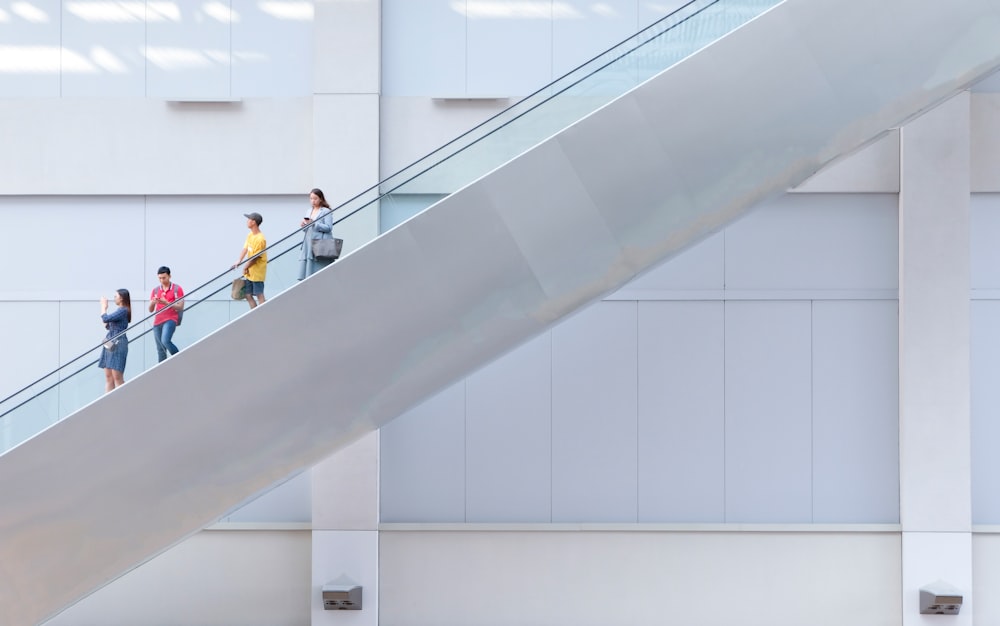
254, 244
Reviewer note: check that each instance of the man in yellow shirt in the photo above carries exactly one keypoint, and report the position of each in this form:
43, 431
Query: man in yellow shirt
256, 267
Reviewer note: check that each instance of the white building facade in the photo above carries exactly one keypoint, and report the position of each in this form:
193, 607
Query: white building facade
791, 422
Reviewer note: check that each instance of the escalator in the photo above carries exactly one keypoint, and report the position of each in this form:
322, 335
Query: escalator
559, 200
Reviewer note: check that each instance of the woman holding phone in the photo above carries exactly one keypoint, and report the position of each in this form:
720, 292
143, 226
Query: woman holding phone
320, 226
114, 353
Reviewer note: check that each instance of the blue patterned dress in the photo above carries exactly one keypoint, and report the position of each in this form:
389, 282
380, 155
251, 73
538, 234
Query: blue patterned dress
115, 322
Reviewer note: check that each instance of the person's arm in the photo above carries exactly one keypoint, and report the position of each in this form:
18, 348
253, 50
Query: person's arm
118, 314
243, 254
152, 302
178, 299
325, 223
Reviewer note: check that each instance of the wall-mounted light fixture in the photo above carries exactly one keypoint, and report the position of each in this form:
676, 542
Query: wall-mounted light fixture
342, 594
940, 598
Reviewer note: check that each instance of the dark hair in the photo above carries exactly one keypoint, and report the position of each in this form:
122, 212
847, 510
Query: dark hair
322, 198
126, 302
163, 270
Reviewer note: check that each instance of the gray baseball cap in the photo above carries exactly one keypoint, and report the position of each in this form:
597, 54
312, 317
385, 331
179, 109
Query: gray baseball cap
255, 217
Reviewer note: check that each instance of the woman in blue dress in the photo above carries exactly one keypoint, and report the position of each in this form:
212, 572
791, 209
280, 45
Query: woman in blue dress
115, 350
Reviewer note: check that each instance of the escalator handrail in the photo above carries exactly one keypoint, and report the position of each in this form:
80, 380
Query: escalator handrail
620, 50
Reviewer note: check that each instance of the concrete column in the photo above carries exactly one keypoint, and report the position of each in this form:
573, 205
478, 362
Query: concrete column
347, 60
934, 439
345, 528
346, 86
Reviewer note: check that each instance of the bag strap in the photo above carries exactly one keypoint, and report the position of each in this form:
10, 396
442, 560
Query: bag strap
173, 289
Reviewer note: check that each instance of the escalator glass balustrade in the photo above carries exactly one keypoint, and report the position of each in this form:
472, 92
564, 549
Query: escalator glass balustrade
467, 158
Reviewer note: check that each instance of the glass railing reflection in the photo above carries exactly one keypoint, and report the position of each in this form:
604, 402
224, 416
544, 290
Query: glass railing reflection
80, 382
454, 165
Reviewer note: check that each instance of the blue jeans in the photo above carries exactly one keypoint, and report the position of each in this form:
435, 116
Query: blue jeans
162, 334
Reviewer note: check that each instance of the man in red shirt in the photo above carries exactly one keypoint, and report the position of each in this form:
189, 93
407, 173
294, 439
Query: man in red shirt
166, 299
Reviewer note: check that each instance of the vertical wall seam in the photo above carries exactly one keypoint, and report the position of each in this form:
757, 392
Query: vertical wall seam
465, 455
812, 411
552, 451
62, 46
466, 32
725, 310
59, 348
725, 456
552, 41
638, 438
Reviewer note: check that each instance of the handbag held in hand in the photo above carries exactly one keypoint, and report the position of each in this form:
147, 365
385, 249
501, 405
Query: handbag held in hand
239, 288
327, 249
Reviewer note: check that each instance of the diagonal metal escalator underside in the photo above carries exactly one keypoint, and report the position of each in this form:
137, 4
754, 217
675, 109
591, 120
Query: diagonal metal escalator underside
470, 278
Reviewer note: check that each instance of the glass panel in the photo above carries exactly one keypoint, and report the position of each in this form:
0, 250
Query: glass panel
395, 199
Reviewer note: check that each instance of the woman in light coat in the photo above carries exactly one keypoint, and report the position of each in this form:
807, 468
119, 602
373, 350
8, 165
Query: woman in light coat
320, 226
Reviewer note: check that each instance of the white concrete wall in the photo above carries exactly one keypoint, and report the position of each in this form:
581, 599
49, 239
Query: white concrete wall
750, 379
123, 152
169, 98
63, 146
986, 575
215, 578
584, 577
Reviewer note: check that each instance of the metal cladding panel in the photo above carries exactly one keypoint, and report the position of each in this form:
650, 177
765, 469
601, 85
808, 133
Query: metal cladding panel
470, 278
